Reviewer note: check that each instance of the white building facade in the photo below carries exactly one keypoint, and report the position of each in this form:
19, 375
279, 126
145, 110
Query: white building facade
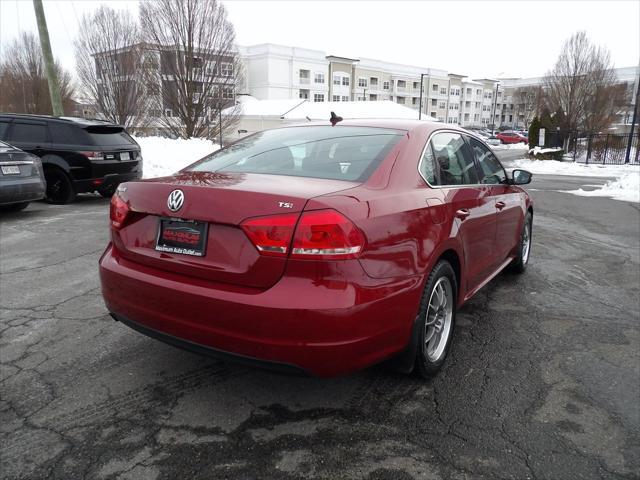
277, 72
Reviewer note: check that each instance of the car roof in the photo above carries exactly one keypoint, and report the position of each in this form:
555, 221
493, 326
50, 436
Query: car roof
83, 122
391, 123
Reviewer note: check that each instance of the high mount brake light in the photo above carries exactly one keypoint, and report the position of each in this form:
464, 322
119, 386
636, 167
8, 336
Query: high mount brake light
319, 234
118, 211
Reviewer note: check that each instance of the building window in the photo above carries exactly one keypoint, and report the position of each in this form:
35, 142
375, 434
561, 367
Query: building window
478, 92
469, 91
226, 69
467, 104
318, 97
442, 105
373, 81
416, 85
385, 85
336, 98
401, 100
362, 82
433, 114
345, 81
304, 76
304, 94
443, 91
477, 104
318, 78
336, 79
476, 117
373, 97
227, 92
414, 100
441, 119
434, 102
402, 84
434, 88
345, 98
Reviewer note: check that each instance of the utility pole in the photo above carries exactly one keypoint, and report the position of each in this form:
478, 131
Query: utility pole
493, 113
633, 123
421, 95
52, 80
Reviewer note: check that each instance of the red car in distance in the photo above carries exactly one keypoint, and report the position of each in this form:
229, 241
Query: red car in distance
511, 137
316, 248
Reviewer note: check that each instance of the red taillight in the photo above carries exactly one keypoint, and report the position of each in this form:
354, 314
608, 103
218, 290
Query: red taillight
319, 234
118, 211
271, 235
93, 155
326, 234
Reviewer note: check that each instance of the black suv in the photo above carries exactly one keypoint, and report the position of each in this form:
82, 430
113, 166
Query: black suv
78, 155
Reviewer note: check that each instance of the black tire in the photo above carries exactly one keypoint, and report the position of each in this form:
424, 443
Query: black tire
14, 207
59, 186
427, 366
108, 192
519, 264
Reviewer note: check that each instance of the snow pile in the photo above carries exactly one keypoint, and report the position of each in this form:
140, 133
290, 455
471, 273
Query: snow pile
165, 156
555, 167
626, 188
348, 110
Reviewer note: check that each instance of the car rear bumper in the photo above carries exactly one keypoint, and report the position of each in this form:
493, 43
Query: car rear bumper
296, 325
21, 190
103, 183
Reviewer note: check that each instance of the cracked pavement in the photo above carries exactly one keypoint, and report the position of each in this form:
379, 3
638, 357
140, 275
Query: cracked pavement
543, 380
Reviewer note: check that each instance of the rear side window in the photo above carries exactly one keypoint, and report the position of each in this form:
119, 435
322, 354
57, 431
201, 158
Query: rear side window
340, 153
28, 133
448, 161
492, 171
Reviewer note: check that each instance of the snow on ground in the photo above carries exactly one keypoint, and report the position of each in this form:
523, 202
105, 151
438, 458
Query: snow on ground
165, 156
626, 188
511, 146
555, 167
542, 151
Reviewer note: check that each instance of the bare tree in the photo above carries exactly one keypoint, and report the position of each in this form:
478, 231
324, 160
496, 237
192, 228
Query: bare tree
199, 64
578, 84
110, 62
23, 82
529, 101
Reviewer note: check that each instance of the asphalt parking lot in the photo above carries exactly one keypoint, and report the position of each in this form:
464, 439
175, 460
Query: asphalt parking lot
543, 381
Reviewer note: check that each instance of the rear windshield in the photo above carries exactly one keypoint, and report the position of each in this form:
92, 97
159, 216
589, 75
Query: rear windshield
109, 136
339, 153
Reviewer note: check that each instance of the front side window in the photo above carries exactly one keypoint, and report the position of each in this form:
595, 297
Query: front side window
318, 97
319, 78
340, 153
492, 171
451, 161
345, 81
362, 82
336, 79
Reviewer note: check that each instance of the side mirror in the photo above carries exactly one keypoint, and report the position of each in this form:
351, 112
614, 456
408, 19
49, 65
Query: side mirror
520, 177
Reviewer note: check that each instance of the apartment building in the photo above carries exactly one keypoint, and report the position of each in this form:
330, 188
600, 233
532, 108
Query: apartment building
281, 72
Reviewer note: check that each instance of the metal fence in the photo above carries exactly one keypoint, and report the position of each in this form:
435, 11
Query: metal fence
601, 148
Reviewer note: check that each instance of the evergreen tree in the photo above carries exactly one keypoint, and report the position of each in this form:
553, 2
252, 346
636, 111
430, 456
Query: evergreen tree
534, 132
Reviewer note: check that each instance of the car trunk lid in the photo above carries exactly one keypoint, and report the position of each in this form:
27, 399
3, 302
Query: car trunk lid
222, 201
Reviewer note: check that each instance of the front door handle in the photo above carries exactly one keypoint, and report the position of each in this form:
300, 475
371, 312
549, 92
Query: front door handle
463, 213
500, 205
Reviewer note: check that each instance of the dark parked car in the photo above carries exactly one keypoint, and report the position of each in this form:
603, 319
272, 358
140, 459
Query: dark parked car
78, 155
21, 178
316, 248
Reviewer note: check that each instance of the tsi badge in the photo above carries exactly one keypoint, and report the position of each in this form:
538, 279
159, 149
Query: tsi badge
175, 200
285, 204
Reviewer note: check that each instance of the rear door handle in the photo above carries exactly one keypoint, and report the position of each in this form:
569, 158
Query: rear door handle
462, 213
500, 205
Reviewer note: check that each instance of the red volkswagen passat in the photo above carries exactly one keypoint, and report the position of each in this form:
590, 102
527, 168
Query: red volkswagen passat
317, 248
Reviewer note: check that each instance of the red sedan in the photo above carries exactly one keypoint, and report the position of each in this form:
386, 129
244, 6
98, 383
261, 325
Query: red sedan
511, 137
316, 248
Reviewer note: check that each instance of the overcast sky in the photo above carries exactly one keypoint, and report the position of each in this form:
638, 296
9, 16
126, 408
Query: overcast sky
476, 38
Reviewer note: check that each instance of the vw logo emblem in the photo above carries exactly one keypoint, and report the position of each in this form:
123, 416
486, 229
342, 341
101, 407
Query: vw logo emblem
175, 200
